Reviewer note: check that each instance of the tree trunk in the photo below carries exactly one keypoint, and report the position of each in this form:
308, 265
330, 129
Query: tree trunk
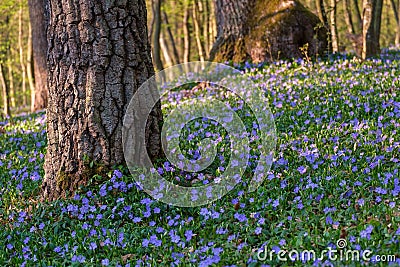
29, 66
350, 25
206, 30
165, 51
263, 30
358, 16
334, 30
156, 35
21, 56
372, 11
197, 30
175, 58
322, 13
396, 11
6, 92
11, 79
348, 17
98, 57
186, 34
39, 20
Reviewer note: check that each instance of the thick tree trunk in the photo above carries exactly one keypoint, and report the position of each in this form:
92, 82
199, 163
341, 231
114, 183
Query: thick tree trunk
39, 20
98, 57
263, 30
372, 11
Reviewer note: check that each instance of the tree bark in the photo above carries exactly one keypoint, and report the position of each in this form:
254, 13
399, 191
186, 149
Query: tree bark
372, 11
156, 35
333, 25
98, 57
39, 19
6, 91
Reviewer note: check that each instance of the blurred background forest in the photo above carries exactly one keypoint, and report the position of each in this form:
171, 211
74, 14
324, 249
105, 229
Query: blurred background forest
179, 31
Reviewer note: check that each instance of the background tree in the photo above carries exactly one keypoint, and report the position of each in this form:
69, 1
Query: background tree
98, 56
372, 11
39, 20
266, 30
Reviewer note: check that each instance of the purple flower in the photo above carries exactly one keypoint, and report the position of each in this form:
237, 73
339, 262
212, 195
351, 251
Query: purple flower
105, 262
145, 243
257, 231
188, 235
302, 169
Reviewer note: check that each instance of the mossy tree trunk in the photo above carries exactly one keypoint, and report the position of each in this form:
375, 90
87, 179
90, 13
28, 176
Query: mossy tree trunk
263, 30
98, 57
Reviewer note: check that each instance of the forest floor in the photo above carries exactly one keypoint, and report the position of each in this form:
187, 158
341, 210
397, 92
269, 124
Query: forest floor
335, 177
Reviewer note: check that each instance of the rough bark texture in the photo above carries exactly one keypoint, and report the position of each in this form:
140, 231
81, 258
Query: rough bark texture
39, 20
266, 30
98, 57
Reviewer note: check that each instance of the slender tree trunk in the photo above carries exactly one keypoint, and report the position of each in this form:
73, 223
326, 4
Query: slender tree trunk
359, 19
372, 11
6, 92
186, 34
333, 24
21, 57
396, 11
348, 17
156, 35
153, 21
11, 80
349, 23
197, 30
175, 54
96, 64
165, 51
206, 30
39, 19
212, 27
322, 13
29, 66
